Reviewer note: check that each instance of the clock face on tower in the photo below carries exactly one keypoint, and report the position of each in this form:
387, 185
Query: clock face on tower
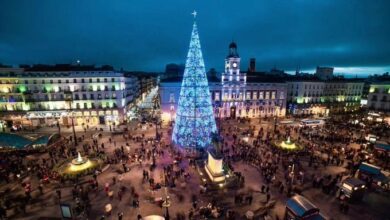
235, 65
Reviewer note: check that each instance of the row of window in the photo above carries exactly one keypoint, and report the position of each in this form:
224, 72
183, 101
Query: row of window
51, 81
260, 110
48, 106
327, 94
383, 99
61, 97
37, 89
334, 86
99, 96
250, 95
377, 90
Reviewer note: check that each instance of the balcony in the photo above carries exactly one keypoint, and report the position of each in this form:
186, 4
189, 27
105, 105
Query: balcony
31, 100
68, 99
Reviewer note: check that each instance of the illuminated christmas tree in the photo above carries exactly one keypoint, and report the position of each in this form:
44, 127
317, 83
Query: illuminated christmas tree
195, 120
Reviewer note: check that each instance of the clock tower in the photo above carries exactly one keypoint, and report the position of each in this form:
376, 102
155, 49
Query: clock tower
233, 84
232, 61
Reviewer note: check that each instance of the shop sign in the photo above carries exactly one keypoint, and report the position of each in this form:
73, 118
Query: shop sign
44, 114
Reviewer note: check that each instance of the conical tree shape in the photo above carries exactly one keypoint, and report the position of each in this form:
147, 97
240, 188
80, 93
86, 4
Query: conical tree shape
195, 120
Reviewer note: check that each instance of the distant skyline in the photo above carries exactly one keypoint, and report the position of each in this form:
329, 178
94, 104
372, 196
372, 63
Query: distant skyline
351, 71
351, 35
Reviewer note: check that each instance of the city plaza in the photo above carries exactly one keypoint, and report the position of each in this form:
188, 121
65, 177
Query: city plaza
199, 166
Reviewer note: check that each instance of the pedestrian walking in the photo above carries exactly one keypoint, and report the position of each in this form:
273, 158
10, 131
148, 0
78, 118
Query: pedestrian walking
120, 215
58, 192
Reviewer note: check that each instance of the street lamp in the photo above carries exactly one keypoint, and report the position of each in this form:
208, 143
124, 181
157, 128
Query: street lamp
292, 174
74, 131
276, 117
219, 118
275, 121
69, 99
166, 202
156, 119
59, 127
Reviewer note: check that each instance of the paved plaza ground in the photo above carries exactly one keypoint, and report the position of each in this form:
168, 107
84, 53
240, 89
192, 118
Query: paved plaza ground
46, 206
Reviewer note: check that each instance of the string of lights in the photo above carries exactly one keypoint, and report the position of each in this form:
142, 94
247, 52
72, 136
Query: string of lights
195, 120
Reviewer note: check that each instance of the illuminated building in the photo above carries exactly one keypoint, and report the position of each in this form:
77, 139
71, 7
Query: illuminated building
234, 94
379, 97
252, 94
323, 97
47, 95
194, 118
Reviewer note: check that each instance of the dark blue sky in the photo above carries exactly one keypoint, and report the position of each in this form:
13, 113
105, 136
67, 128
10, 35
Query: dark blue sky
147, 34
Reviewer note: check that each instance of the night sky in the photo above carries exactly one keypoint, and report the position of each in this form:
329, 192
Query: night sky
147, 34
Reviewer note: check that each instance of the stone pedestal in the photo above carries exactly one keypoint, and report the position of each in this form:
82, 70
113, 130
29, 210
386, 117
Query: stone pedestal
214, 167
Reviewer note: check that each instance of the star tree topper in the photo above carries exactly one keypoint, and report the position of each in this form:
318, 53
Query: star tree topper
194, 14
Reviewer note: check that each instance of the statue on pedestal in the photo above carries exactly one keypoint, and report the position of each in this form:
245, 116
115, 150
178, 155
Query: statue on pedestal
214, 166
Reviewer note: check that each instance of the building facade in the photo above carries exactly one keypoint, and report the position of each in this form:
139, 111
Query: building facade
56, 94
235, 94
316, 97
379, 97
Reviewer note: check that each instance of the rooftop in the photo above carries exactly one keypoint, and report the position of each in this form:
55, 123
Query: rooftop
264, 77
66, 68
180, 79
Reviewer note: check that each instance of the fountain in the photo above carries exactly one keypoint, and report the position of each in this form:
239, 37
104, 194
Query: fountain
79, 160
288, 144
79, 166
80, 163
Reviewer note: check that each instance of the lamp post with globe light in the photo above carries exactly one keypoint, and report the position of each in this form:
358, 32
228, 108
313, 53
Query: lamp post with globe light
71, 113
167, 203
74, 131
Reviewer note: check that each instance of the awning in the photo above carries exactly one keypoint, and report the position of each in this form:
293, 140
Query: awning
301, 206
384, 147
369, 168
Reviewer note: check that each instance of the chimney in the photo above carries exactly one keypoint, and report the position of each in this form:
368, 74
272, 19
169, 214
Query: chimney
252, 65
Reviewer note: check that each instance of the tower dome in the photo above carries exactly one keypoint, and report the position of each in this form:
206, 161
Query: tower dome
233, 45
233, 50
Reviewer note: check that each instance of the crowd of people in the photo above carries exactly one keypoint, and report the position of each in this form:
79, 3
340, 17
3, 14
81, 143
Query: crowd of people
243, 141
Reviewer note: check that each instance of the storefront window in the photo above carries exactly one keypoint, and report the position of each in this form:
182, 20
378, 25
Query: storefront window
261, 95
273, 95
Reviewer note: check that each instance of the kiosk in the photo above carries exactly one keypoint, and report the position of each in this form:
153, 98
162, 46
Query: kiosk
382, 147
299, 208
372, 174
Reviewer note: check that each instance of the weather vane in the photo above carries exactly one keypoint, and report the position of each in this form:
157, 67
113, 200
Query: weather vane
194, 13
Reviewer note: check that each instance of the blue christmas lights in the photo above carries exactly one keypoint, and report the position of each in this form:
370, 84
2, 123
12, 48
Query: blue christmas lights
195, 120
